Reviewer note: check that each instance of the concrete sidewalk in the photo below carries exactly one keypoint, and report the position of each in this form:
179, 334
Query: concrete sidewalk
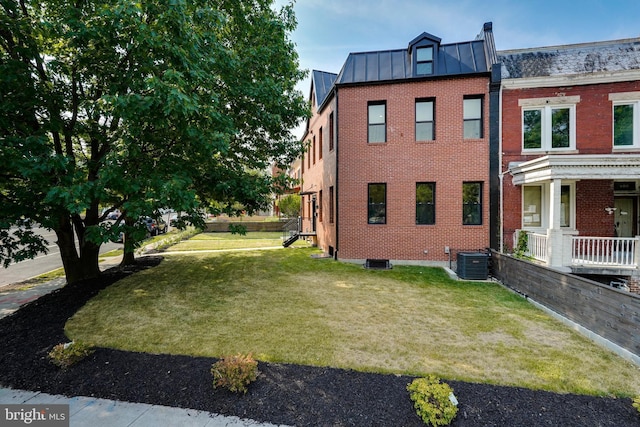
88, 411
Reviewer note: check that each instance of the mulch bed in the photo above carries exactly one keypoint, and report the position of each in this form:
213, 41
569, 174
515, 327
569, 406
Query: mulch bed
283, 394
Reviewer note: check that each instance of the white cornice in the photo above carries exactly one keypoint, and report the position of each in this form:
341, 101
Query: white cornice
576, 167
571, 80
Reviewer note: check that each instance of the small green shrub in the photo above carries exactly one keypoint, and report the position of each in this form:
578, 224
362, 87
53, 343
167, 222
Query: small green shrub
523, 244
235, 372
64, 355
433, 400
238, 229
636, 403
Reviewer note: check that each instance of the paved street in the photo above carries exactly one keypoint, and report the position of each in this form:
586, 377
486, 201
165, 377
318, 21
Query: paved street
43, 263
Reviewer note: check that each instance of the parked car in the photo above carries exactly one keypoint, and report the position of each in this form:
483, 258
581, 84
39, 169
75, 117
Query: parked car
151, 224
162, 225
154, 226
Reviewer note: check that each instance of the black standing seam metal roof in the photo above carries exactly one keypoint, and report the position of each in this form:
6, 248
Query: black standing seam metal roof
453, 59
321, 84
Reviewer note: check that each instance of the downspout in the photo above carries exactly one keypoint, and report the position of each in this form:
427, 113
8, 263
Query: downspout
495, 157
501, 175
337, 183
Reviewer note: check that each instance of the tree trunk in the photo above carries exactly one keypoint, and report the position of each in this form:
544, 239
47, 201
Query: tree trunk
77, 267
129, 256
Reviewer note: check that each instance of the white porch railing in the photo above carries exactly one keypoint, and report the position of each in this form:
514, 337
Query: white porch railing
604, 251
537, 246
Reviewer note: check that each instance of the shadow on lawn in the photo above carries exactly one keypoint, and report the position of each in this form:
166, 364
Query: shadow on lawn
283, 394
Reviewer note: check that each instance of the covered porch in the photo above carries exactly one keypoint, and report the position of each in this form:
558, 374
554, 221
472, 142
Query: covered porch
580, 212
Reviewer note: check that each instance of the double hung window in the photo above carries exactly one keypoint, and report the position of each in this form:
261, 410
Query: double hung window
425, 203
472, 111
425, 129
377, 210
424, 60
472, 203
377, 117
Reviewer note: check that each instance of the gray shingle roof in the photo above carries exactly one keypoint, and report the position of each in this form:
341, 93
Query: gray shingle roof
607, 56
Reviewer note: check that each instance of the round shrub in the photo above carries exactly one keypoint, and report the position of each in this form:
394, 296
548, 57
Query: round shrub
433, 400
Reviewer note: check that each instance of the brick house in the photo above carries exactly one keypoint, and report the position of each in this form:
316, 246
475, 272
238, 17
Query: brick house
398, 158
570, 154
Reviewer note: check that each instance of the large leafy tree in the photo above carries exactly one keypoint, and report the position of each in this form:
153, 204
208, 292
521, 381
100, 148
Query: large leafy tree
138, 106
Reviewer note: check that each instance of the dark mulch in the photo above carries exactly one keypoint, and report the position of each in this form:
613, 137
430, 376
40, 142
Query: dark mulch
283, 394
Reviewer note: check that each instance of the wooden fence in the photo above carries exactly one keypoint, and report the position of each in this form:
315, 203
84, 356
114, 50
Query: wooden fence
608, 312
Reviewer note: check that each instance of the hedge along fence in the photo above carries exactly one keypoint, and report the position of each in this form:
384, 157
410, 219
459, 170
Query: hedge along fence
609, 313
223, 227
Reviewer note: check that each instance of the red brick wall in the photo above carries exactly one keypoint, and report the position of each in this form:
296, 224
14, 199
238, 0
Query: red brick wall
594, 127
320, 176
592, 197
448, 161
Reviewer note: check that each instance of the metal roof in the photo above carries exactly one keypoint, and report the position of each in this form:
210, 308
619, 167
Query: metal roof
607, 56
321, 84
386, 65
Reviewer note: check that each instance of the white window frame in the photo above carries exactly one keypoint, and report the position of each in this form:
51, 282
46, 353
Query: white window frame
546, 105
544, 207
626, 98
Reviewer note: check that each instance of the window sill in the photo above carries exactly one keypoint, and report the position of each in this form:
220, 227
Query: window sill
550, 152
626, 149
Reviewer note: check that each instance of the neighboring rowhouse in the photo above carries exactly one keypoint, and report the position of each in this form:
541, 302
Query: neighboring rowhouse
571, 154
397, 166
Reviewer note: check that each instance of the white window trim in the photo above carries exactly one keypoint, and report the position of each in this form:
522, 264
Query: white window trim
546, 105
544, 207
626, 98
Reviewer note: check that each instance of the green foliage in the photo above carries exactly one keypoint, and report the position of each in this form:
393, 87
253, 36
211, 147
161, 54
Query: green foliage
65, 355
290, 205
139, 106
523, 244
235, 373
238, 229
433, 400
636, 403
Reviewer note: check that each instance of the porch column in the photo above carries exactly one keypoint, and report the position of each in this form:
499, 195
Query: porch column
554, 232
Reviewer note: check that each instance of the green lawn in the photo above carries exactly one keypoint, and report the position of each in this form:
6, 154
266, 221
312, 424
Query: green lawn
220, 241
284, 306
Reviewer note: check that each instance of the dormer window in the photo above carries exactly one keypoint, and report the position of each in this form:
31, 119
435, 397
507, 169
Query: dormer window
424, 60
423, 52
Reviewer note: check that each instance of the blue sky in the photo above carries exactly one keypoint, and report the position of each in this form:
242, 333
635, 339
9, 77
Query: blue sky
328, 30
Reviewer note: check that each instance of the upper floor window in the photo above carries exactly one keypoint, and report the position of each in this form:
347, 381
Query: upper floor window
472, 115
320, 144
377, 209
626, 119
425, 129
331, 132
425, 203
313, 149
424, 60
377, 117
472, 203
548, 124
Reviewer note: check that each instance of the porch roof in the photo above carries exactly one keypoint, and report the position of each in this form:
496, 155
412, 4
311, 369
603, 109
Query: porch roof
576, 167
